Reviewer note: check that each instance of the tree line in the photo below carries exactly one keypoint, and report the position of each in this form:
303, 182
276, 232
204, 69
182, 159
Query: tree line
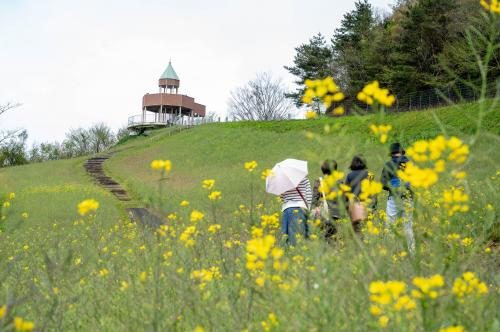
78, 142
420, 45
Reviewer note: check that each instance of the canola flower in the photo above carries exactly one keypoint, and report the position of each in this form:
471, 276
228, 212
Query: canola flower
338, 110
184, 203
3, 311
165, 165
331, 187
208, 184
23, 325
311, 115
456, 328
24, 215
427, 287
265, 173
372, 93
251, 165
215, 195
187, 236
387, 297
455, 200
326, 90
270, 322
493, 5
369, 188
196, 216
381, 131
214, 228
87, 206
468, 285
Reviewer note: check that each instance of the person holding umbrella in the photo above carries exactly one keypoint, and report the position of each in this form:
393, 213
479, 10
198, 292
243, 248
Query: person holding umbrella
289, 180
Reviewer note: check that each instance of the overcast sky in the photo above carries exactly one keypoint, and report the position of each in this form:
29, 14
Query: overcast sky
73, 63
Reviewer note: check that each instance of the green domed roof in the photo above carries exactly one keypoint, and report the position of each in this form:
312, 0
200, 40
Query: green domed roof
169, 73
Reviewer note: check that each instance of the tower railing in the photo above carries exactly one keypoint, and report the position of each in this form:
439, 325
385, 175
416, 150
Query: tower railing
158, 120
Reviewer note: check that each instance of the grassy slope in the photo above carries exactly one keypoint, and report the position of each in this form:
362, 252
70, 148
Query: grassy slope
50, 191
219, 150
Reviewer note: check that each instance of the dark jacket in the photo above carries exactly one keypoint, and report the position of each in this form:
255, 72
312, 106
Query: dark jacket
390, 179
333, 205
354, 179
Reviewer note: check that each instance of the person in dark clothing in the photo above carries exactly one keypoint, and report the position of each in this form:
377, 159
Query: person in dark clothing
400, 198
359, 172
328, 226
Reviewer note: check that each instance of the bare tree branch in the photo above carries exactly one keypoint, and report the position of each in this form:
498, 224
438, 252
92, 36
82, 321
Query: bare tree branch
8, 134
263, 98
4, 108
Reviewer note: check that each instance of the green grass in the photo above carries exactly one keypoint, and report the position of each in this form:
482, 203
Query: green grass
218, 151
103, 273
50, 191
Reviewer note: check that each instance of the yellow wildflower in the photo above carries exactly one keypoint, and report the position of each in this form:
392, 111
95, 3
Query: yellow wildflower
251, 165
3, 311
493, 5
23, 325
457, 328
208, 184
311, 115
88, 205
196, 216
215, 195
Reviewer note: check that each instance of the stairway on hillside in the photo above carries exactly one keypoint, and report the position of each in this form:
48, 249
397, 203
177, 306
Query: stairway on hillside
95, 169
94, 166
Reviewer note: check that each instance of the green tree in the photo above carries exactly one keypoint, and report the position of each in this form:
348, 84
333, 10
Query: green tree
419, 36
357, 54
312, 61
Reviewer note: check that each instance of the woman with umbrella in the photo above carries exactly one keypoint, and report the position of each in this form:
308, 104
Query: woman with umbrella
289, 180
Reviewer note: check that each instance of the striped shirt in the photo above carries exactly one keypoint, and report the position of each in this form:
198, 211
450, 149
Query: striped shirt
292, 198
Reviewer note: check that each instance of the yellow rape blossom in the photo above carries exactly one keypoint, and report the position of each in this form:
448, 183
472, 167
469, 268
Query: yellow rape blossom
427, 286
165, 165
468, 284
215, 195
311, 115
372, 92
457, 328
184, 203
196, 216
455, 201
88, 205
251, 165
208, 184
266, 173
214, 228
493, 5
23, 325
326, 90
381, 131
3, 311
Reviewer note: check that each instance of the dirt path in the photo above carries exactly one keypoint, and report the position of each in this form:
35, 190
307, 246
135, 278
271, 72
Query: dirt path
94, 166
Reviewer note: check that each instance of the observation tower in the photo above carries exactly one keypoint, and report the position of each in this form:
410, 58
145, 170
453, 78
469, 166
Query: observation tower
167, 107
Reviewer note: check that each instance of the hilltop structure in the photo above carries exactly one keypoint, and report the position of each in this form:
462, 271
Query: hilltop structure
167, 107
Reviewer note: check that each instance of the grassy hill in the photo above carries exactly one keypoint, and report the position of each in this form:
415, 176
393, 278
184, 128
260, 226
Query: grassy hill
218, 151
64, 271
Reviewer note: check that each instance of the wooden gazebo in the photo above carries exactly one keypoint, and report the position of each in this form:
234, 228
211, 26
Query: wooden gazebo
167, 107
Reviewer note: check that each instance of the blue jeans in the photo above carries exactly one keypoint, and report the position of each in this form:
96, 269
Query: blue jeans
293, 221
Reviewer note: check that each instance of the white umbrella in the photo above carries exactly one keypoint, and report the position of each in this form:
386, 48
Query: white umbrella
286, 175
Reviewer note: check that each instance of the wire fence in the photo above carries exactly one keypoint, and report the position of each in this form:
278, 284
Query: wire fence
431, 98
414, 101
